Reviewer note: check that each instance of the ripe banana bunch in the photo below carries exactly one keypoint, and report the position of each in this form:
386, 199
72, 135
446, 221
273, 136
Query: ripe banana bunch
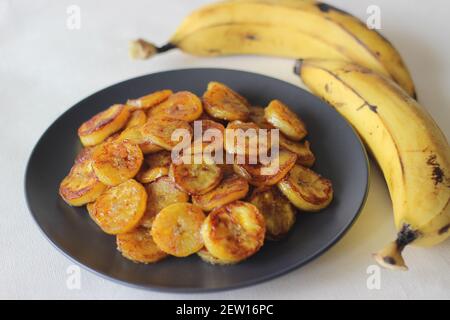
284, 28
409, 147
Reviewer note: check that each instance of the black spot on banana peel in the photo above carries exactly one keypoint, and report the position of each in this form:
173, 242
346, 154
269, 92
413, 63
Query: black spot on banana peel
444, 229
390, 256
324, 7
437, 174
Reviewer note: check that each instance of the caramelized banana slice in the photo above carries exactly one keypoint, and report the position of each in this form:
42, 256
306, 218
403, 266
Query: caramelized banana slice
221, 102
135, 136
116, 162
149, 100
306, 189
243, 138
120, 208
305, 157
176, 229
81, 185
234, 232
211, 130
161, 193
151, 174
182, 105
137, 118
138, 246
160, 132
278, 212
260, 175
159, 159
230, 189
279, 115
103, 124
196, 178
257, 116
206, 256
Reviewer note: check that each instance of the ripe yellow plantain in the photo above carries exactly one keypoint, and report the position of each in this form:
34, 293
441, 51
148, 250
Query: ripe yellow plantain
295, 29
411, 150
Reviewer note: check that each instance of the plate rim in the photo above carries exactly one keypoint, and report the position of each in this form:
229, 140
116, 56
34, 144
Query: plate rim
188, 290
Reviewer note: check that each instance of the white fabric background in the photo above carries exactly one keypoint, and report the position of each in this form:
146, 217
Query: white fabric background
46, 68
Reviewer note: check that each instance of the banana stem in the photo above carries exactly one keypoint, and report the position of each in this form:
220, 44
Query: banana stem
141, 49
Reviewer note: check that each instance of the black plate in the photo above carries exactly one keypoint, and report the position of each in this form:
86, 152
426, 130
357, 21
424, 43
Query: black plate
340, 157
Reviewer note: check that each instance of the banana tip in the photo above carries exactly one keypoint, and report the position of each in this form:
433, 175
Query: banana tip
298, 66
390, 257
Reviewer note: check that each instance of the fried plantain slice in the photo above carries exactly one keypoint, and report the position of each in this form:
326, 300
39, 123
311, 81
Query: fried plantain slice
230, 189
116, 161
278, 212
151, 174
81, 185
211, 137
176, 229
149, 100
137, 118
257, 116
260, 175
138, 246
244, 138
103, 124
305, 157
182, 105
221, 102
281, 117
161, 193
206, 256
306, 189
159, 159
160, 132
196, 178
135, 136
234, 232
120, 208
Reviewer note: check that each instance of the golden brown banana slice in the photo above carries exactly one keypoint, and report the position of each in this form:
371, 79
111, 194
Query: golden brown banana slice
182, 105
206, 256
135, 136
221, 102
281, 117
211, 137
230, 189
244, 138
159, 159
137, 118
305, 157
152, 174
160, 132
234, 232
161, 193
196, 178
138, 246
120, 208
176, 229
306, 189
278, 212
149, 100
103, 124
257, 116
116, 161
260, 175
81, 185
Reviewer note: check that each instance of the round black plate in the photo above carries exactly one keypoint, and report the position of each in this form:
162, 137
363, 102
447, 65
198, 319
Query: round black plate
340, 157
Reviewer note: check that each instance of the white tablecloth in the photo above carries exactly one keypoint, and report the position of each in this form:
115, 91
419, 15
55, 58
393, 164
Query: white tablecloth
45, 68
